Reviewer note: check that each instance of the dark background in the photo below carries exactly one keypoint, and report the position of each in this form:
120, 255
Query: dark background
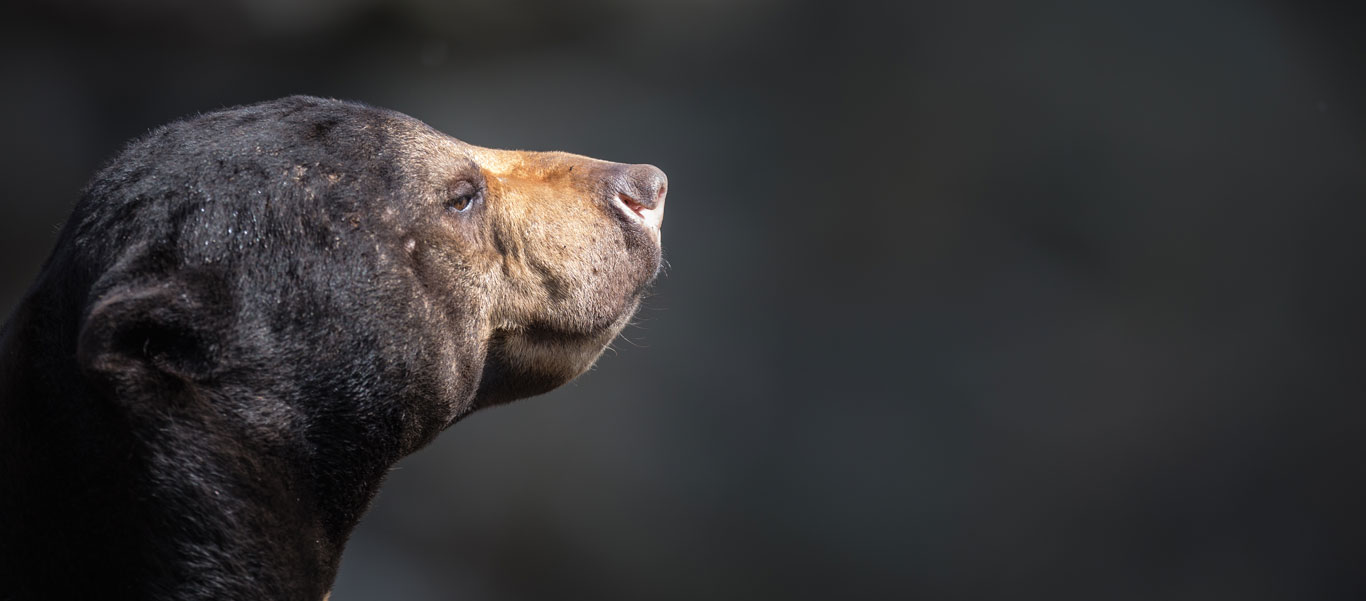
967, 300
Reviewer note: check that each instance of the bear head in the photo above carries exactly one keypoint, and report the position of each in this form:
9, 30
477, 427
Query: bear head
335, 237
253, 313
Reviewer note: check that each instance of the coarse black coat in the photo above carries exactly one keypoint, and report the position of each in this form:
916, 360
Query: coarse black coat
250, 316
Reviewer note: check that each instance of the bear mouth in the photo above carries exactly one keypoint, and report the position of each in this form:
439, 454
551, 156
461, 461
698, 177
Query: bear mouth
636, 212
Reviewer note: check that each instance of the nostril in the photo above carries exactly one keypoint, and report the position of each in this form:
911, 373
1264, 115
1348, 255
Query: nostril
632, 204
646, 184
637, 191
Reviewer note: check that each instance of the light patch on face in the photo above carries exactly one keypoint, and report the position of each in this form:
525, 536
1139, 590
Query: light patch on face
558, 269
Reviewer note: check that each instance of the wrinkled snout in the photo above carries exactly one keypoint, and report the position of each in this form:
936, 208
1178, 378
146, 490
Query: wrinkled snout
639, 193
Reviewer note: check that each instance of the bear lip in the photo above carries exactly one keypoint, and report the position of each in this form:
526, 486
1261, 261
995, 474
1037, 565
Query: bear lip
651, 217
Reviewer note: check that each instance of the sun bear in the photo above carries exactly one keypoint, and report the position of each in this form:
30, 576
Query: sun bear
252, 314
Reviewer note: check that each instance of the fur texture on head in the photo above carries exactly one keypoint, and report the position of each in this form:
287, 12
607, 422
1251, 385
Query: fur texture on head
253, 313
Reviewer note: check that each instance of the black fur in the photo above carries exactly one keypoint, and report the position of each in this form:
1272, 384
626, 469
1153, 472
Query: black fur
219, 362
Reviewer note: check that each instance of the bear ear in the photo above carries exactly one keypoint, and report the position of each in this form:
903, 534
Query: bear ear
148, 334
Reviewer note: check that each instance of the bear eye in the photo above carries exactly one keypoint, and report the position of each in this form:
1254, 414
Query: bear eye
462, 196
460, 203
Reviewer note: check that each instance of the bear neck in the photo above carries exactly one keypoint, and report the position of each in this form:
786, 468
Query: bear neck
103, 501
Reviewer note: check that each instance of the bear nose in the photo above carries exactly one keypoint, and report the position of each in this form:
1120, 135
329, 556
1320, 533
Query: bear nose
641, 190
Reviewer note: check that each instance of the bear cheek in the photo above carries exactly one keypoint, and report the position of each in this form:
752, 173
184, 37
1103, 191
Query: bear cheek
590, 278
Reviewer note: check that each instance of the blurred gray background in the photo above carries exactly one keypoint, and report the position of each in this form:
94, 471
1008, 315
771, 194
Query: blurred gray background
967, 300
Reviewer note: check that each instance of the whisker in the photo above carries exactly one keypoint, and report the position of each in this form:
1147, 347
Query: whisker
623, 336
